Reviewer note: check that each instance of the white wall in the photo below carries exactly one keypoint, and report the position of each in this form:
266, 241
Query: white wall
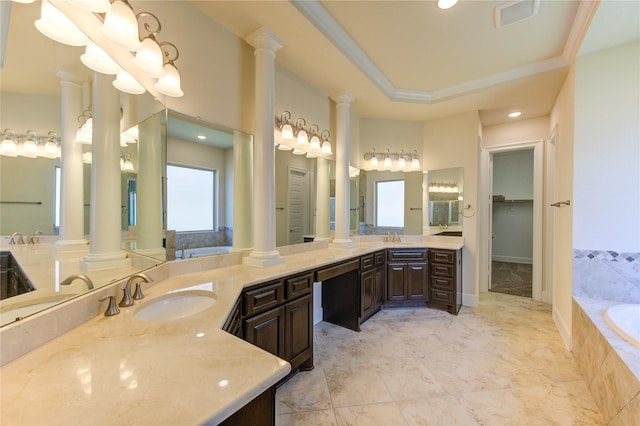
607, 150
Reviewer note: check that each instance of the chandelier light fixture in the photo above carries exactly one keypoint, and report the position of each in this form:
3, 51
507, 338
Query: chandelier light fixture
392, 161
302, 140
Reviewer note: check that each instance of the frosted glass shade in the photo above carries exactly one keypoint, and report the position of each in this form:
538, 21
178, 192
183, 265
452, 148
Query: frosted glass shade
98, 6
121, 27
326, 148
9, 148
125, 83
149, 58
29, 149
287, 132
314, 143
97, 59
169, 83
56, 26
302, 138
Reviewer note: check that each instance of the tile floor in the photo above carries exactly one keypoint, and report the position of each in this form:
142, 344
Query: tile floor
502, 363
511, 278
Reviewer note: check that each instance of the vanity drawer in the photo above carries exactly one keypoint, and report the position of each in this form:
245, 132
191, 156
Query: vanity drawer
442, 270
367, 262
297, 286
442, 296
379, 258
263, 298
396, 255
442, 283
442, 256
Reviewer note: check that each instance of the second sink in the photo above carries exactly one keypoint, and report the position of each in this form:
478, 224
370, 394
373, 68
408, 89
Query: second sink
174, 306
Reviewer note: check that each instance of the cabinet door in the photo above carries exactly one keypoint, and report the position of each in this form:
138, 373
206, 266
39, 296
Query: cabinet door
379, 286
298, 330
417, 281
367, 292
396, 281
267, 331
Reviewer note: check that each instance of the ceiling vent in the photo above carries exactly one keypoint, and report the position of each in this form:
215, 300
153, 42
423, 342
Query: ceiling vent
515, 11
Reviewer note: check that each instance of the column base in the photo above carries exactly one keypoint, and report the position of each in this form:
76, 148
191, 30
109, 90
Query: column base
94, 262
62, 244
346, 243
263, 259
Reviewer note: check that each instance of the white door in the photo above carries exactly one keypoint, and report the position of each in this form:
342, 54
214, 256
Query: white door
298, 205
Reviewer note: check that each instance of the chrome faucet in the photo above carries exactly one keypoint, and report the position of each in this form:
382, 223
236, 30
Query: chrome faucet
14, 235
34, 239
137, 295
395, 238
74, 277
182, 256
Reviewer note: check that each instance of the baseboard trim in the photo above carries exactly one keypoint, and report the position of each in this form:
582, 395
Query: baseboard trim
470, 300
565, 331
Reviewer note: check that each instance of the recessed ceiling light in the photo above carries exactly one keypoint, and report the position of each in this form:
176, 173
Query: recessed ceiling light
202, 137
446, 4
515, 114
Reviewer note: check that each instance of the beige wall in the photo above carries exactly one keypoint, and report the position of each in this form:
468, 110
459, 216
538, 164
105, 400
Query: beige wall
517, 131
453, 142
562, 120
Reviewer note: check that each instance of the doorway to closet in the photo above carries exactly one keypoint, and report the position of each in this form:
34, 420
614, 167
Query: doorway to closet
512, 222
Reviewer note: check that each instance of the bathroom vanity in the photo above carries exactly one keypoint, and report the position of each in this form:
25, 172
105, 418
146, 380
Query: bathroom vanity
198, 361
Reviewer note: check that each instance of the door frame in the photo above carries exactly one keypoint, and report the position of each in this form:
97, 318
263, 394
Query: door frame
550, 217
486, 157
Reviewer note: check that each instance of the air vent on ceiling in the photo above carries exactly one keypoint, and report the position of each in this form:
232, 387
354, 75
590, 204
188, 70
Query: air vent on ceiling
515, 11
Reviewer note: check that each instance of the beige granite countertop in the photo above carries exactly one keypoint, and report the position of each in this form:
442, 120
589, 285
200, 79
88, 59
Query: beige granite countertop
122, 370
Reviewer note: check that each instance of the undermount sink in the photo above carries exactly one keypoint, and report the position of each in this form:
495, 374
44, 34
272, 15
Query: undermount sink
175, 306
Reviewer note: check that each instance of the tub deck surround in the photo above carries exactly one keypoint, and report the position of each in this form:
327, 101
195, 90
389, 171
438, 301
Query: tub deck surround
46, 265
124, 370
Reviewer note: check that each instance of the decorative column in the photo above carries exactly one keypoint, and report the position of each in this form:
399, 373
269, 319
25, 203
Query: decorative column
149, 189
242, 191
71, 231
264, 180
322, 199
104, 249
342, 168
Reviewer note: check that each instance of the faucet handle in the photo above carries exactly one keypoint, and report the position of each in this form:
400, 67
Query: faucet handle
126, 297
112, 309
138, 294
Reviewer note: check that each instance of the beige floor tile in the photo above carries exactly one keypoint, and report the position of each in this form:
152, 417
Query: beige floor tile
409, 380
306, 391
307, 418
447, 410
356, 386
386, 414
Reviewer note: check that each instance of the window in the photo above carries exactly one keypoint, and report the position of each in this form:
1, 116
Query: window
390, 203
190, 199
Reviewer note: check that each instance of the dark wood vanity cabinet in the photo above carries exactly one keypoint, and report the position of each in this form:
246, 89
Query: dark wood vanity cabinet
406, 277
278, 317
445, 279
372, 284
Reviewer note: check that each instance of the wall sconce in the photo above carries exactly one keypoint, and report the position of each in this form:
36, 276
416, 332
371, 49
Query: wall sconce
390, 158
9, 147
120, 26
302, 141
52, 146
443, 187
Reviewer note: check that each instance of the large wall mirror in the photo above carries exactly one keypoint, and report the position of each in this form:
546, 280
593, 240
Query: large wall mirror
444, 193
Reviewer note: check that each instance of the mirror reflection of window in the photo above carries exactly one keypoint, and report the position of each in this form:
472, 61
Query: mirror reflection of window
56, 214
190, 198
133, 201
390, 213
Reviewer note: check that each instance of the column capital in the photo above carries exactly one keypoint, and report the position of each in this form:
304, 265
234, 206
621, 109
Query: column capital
68, 77
343, 98
262, 38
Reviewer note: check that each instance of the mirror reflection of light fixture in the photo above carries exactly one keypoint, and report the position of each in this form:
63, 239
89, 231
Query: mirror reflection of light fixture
86, 157
326, 145
297, 151
286, 131
283, 147
393, 161
310, 155
52, 147
96, 59
30, 145
121, 27
415, 163
55, 25
84, 134
402, 163
125, 83
387, 159
126, 165
9, 147
149, 59
446, 4
314, 142
373, 162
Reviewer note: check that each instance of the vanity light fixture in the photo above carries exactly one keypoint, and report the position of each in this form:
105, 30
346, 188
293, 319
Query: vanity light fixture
297, 151
97, 6
96, 59
84, 134
86, 157
387, 160
373, 161
121, 27
393, 161
9, 147
30, 146
169, 83
314, 141
402, 163
149, 59
283, 147
286, 129
55, 25
125, 83
301, 134
415, 163
126, 165
310, 155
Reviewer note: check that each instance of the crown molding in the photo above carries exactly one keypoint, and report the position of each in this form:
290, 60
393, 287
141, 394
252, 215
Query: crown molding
319, 17
581, 23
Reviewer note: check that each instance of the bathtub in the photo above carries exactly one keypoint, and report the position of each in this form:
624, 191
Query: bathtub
202, 251
625, 321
